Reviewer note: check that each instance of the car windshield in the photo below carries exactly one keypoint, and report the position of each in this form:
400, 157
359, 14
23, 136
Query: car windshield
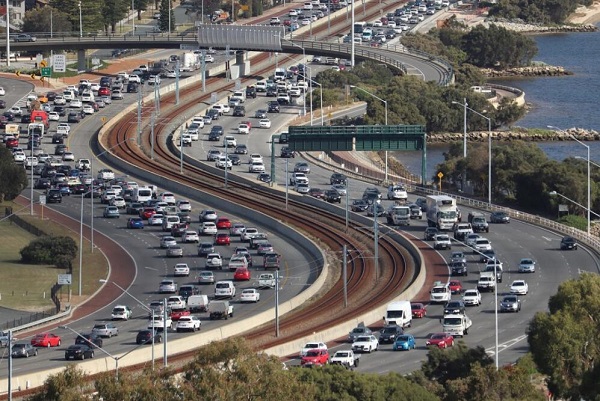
312, 353
452, 321
510, 299
470, 294
416, 306
389, 330
453, 305
361, 339
403, 338
439, 289
438, 336
447, 215
222, 285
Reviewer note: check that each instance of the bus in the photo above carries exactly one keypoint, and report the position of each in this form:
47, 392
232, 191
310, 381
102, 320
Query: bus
359, 27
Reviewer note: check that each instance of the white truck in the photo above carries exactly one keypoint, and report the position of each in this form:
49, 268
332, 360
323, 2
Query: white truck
189, 62
457, 325
239, 95
345, 358
280, 74
160, 323
266, 280
398, 215
486, 282
397, 193
400, 313
442, 212
220, 310
461, 230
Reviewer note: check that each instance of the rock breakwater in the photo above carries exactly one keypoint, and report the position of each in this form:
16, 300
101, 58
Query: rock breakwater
518, 135
531, 71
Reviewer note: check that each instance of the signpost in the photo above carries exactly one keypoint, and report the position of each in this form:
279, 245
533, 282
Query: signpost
440, 175
42, 203
59, 63
64, 279
46, 72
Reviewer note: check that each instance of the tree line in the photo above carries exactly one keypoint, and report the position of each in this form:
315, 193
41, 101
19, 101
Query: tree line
537, 11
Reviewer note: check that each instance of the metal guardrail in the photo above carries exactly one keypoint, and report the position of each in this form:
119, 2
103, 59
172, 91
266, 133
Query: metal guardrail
41, 322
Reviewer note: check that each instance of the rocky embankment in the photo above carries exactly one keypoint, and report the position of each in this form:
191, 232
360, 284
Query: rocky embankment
532, 71
507, 136
520, 26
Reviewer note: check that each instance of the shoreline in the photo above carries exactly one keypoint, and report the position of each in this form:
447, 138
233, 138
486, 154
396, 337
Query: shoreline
533, 135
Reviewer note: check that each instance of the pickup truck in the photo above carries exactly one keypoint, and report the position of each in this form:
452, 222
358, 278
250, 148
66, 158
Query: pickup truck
316, 357
220, 310
345, 358
478, 222
457, 325
266, 280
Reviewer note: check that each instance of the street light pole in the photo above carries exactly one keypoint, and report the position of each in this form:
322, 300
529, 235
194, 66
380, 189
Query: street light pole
386, 117
80, 22
589, 196
132, 18
376, 237
489, 120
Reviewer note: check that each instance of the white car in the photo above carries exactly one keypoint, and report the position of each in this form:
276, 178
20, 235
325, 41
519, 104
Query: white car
75, 104
87, 109
222, 108
214, 261
167, 287
176, 302
365, 344
440, 294
244, 129
190, 236
68, 157
184, 205
31, 161
121, 312
442, 241
135, 78
237, 229
181, 269
264, 123
208, 228
340, 188
59, 100
19, 157
471, 238
53, 116
527, 265
229, 141
94, 86
167, 241
256, 167
482, 244
2, 91
16, 110
209, 59
312, 346
519, 287
250, 295
118, 202
302, 188
224, 162
167, 197
255, 157
186, 323
156, 219
472, 297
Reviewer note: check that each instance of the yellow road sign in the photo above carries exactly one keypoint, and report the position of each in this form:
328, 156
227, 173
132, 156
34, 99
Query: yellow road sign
42, 79
18, 73
104, 120
43, 63
32, 76
440, 174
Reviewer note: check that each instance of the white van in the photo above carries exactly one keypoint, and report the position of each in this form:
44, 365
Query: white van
279, 74
399, 313
169, 221
197, 303
224, 289
142, 194
69, 95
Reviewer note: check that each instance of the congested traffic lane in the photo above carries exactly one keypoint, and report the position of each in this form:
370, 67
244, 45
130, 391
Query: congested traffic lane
152, 266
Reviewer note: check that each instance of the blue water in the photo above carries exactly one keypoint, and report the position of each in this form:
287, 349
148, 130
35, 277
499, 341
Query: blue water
564, 102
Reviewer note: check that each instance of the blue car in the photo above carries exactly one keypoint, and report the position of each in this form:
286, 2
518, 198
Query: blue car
404, 342
135, 222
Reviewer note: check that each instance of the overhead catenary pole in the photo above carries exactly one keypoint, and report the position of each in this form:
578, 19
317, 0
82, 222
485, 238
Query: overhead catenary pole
8, 33
344, 273
277, 303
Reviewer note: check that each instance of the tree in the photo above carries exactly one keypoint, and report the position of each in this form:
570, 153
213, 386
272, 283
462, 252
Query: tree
58, 251
91, 14
38, 20
14, 178
68, 385
565, 341
139, 6
166, 10
113, 11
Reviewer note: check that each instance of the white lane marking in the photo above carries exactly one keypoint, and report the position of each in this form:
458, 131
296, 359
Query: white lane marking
501, 347
150, 268
547, 239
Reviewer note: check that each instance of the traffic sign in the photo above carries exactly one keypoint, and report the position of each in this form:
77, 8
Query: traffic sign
440, 174
95, 61
43, 64
46, 72
42, 79
64, 279
104, 120
59, 63
18, 73
39, 57
32, 76
42, 199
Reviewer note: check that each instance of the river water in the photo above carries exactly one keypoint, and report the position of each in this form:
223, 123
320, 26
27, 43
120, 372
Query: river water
564, 102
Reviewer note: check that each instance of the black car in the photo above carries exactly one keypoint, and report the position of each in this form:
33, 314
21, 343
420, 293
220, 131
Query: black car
251, 92
25, 118
58, 139
359, 205
337, 178
235, 159
273, 107
205, 248
214, 136
239, 111
145, 337
9, 115
188, 290
458, 268
60, 110
260, 114
454, 308
271, 92
21, 350
51, 96
42, 183
132, 87
213, 113
430, 233
389, 333
73, 118
60, 149
332, 196
287, 153
79, 351
54, 196
568, 243
264, 177
499, 217
422, 202
2, 104
217, 129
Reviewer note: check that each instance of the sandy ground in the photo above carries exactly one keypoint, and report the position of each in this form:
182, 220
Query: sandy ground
586, 15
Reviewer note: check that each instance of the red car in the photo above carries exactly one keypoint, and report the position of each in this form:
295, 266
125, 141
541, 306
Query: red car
103, 91
241, 273
316, 357
179, 229
223, 223
441, 340
12, 143
46, 340
418, 310
147, 212
222, 239
455, 287
177, 314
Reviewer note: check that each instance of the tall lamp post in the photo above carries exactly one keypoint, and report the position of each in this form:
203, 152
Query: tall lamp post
589, 197
465, 106
489, 120
80, 22
385, 103
132, 18
305, 67
150, 310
